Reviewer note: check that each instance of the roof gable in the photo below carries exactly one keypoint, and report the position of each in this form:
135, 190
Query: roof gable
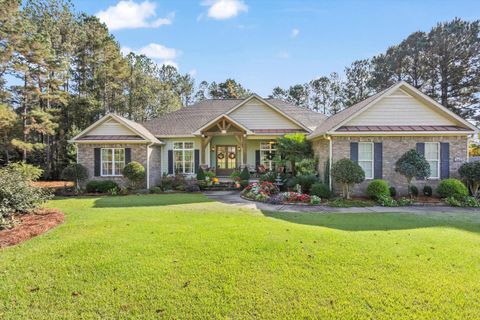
257, 113
398, 103
112, 127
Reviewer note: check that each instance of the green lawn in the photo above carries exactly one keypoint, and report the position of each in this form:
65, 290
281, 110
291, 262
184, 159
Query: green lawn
182, 256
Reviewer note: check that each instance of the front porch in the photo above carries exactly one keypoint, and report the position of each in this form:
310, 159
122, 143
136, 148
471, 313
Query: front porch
226, 146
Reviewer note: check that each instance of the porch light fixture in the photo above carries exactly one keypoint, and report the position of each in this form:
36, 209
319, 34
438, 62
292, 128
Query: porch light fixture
224, 131
212, 148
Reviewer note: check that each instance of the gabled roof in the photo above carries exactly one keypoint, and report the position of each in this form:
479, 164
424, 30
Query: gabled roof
133, 126
188, 120
338, 120
222, 116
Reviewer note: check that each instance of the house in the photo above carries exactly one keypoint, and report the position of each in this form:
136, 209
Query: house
226, 134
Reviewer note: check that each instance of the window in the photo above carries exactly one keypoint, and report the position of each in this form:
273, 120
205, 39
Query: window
267, 154
113, 161
432, 155
183, 157
365, 158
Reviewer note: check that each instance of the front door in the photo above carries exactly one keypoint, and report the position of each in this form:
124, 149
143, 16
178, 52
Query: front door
226, 160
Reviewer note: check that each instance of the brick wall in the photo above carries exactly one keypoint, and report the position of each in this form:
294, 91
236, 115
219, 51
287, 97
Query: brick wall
393, 149
86, 158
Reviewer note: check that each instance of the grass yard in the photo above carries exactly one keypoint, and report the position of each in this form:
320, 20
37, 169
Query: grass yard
183, 256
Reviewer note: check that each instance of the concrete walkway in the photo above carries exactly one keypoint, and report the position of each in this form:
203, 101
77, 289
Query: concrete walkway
233, 198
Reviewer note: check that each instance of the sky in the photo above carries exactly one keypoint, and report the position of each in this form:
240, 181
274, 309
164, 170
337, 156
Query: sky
268, 43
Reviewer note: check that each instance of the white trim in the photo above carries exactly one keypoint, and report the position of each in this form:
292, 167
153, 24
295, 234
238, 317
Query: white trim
253, 96
198, 132
438, 160
148, 164
372, 160
330, 155
113, 162
111, 142
183, 149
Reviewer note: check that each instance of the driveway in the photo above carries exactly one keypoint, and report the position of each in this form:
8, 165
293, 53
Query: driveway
233, 198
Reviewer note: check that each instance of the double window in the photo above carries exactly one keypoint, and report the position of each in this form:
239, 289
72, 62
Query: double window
432, 155
267, 154
183, 157
113, 161
365, 158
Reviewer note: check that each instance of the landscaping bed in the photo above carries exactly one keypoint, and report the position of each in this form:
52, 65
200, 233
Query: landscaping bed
31, 225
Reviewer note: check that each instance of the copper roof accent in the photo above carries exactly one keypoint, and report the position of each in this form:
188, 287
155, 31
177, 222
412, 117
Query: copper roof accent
399, 128
133, 138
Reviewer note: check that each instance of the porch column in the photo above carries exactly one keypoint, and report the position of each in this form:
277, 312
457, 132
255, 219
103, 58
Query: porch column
203, 144
244, 150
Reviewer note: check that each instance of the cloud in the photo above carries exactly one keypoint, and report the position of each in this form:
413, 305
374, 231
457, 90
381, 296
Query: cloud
193, 72
127, 14
294, 32
158, 52
224, 9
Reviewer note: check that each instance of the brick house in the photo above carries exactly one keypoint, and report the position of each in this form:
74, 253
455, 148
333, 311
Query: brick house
227, 134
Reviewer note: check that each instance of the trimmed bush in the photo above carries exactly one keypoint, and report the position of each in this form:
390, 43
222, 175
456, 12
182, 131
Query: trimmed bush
305, 182
378, 188
427, 191
452, 188
200, 174
470, 173
135, 173
413, 191
245, 174
75, 172
101, 186
347, 173
393, 192
412, 164
320, 190
156, 190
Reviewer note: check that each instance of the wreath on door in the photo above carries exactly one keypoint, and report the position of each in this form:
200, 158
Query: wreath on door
220, 156
232, 155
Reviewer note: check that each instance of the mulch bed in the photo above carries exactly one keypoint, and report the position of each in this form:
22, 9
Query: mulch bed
53, 184
31, 225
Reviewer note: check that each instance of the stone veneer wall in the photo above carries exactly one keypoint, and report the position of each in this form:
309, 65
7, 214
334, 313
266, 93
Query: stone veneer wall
85, 157
393, 148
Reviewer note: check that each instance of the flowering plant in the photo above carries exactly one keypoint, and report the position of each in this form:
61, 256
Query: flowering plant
296, 197
265, 189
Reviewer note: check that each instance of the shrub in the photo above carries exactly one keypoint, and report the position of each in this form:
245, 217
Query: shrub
101, 186
320, 190
17, 195
386, 201
235, 175
135, 173
315, 200
412, 164
452, 188
294, 148
176, 182
305, 182
75, 172
306, 167
452, 201
245, 174
155, 190
347, 173
413, 191
243, 184
191, 186
470, 173
378, 188
393, 192
25, 170
200, 174
427, 191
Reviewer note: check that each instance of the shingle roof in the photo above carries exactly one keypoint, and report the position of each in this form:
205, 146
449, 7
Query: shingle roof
112, 137
189, 119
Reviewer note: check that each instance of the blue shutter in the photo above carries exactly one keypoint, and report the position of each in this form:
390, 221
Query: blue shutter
197, 160
96, 162
170, 161
421, 151
378, 160
444, 160
128, 155
354, 151
257, 158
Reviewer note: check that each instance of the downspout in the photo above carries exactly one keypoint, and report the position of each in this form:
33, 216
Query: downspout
148, 164
330, 155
